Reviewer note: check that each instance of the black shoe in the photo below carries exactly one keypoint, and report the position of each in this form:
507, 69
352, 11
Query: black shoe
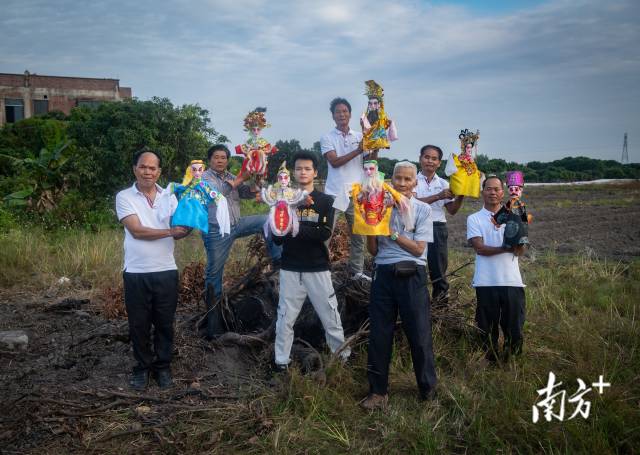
139, 380
164, 379
280, 368
428, 395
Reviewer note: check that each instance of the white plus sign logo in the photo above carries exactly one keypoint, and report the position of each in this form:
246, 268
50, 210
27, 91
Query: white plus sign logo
600, 385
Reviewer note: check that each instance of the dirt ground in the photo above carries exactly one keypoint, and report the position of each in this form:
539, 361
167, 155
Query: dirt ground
55, 394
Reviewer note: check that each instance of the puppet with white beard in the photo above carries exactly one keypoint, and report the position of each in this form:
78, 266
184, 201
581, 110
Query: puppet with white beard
373, 200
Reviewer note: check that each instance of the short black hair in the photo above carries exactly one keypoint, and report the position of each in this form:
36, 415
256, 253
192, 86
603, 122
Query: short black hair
492, 176
142, 151
336, 101
216, 148
305, 155
431, 147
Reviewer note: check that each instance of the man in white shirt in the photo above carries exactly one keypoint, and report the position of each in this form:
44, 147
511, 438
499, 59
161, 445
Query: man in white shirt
150, 274
342, 147
499, 288
435, 191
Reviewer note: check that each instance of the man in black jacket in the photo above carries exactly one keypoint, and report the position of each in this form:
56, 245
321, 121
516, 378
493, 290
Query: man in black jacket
305, 267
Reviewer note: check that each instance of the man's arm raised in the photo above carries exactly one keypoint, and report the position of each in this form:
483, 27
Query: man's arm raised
338, 161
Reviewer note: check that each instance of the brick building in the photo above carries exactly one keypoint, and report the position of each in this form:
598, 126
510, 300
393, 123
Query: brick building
26, 95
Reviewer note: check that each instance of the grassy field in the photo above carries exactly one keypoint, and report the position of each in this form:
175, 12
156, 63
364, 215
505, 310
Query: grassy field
582, 322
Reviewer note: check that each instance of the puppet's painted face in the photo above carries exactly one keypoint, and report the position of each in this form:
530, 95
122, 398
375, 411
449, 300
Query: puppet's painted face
374, 104
197, 170
256, 130
468, 148
515, 191
370, 169
283, 179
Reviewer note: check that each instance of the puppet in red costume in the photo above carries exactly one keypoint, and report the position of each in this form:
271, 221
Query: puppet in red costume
283, 200
256, 150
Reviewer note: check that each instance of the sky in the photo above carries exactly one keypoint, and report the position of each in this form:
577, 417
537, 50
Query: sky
541, 80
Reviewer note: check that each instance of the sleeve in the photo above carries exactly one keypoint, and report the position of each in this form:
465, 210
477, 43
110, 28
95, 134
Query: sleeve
445, 186
326, 145
124, 208
473, 227
451, 167
424, 225
244, 191
323, 228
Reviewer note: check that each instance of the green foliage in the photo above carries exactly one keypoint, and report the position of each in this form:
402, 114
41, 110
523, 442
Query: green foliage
40, 181
108, 136
286, 151
567, 169
65, 170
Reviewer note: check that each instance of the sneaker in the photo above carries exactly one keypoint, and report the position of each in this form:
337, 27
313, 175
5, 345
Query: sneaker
374, 401
361, 276
280, 368
139, 380
164, 379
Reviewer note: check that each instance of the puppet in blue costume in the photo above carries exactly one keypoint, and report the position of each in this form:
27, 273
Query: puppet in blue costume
194, 195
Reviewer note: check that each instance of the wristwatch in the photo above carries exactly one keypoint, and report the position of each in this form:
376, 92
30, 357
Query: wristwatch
394, 236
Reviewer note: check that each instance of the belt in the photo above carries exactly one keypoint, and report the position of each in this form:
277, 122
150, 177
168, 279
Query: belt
390, 266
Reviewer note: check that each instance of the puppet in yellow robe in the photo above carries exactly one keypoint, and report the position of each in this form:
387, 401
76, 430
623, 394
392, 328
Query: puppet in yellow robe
464, 176
378, 130
373, 201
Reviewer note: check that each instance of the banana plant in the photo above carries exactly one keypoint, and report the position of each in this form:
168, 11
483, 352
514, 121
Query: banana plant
44, 180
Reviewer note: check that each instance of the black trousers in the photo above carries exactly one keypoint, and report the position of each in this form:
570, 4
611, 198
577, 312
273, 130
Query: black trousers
390, 295
502, 306
151, 299
437, 260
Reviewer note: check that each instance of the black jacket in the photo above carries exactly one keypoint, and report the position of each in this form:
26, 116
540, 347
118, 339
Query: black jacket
306, 252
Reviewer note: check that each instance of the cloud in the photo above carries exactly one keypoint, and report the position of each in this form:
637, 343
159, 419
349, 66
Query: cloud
535, 73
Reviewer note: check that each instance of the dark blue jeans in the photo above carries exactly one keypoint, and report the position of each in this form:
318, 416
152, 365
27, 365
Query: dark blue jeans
218, 247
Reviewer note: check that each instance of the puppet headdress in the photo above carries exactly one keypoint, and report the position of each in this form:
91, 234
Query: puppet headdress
283, 168
515, 178
256, 118
468, 137
374, 90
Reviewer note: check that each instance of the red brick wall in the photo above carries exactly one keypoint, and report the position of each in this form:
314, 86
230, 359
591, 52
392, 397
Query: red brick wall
62, 83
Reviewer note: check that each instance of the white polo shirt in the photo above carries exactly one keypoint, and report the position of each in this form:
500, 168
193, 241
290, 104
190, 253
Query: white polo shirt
144, 256
497, 270
338, 178
426, 189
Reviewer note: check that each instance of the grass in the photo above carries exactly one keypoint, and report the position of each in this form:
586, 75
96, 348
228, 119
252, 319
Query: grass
582, 322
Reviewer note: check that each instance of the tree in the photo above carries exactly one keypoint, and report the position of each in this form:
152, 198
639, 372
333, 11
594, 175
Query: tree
108, 136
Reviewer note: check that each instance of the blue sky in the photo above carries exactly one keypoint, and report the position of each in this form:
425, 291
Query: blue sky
540, 79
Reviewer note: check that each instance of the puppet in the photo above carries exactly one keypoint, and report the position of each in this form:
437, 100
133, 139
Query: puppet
256, 150
514, 213
462, 169
282, 200
377, 129
373, 200
194, 195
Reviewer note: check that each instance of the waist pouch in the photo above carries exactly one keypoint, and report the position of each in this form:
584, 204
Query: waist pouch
404, 269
